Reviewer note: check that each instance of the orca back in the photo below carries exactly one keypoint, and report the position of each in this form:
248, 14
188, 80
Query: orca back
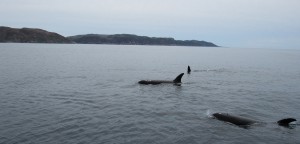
154, 82
240, 121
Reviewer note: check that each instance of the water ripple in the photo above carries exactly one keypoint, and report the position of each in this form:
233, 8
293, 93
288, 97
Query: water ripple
90, 94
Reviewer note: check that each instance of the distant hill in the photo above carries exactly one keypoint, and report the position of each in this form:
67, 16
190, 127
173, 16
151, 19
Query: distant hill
29, 35
130, 39
33, 35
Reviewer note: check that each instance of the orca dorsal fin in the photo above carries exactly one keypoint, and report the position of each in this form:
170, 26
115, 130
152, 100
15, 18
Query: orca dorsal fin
286, 121
189, 70
178, 78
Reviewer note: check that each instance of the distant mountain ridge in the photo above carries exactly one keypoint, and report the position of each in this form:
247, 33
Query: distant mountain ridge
33, 35
30, 35
130, 39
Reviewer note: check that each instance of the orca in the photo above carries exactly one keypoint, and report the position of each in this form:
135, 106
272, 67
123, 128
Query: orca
189, 70
237, 120
177, 80
245, 122
286, 122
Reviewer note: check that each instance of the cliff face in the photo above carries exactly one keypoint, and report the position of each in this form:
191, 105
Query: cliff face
129, 39
29, 35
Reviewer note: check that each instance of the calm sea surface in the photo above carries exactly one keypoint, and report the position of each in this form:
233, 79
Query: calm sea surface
78, 94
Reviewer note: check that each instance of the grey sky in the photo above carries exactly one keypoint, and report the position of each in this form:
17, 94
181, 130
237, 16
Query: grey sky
230, 23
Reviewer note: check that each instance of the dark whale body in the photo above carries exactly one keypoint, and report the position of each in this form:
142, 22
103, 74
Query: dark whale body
245, 122
189, 70
177, 80
240, 121
285, 122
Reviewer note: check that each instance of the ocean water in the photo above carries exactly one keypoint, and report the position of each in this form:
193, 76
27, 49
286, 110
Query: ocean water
77, 94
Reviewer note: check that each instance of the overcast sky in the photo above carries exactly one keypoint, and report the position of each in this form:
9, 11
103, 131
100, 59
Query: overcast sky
228, 23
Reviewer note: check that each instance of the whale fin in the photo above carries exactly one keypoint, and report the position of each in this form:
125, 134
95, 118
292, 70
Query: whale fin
178, 78
189, 70
286, 121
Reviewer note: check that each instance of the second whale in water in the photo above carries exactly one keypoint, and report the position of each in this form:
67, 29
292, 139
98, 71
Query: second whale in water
245, 122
